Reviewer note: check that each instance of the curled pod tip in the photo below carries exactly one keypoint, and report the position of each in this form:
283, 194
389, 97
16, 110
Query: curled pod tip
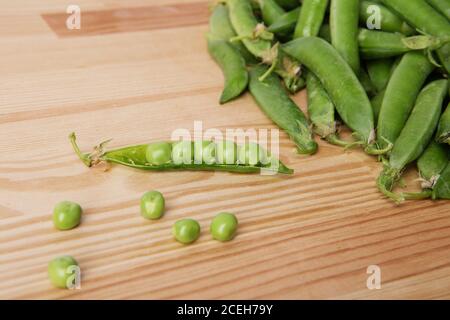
386, 182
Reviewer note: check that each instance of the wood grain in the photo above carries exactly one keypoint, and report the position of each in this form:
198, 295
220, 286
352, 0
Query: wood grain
310, 235
131, 19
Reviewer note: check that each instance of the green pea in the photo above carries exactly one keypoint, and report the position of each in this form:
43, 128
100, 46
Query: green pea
205, 152
183, 152
226, 152
252, 154
62, 272
186, 230
152, 205
66, 215
158, 153
224, 226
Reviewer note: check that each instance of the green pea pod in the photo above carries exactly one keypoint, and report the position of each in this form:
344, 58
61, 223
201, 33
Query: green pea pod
443, 6
311, 18
139, 157
270, 11
344, 22
258, 41
379, 44
443, 132
376, 102
431, 163
379, 72
232, 65
415, 136
248, 29
419, 14
321, 111
421, 125
340, 82
220, 27
286, 23
288, 4
401, 93
390, 22
278, 106
442, 188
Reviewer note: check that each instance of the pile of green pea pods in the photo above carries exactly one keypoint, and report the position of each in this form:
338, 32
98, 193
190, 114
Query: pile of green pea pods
378, 66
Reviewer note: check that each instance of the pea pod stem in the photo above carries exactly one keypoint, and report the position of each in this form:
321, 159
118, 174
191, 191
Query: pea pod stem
89, 159
375, 151
337, 141
271, 59
248, 29
385, 183
418, 195
269, 71
259, 32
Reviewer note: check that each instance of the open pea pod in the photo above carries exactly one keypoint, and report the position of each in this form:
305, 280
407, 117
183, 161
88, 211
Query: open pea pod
166, 156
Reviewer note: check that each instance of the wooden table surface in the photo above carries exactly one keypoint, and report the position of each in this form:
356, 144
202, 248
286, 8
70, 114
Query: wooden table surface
136, 71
